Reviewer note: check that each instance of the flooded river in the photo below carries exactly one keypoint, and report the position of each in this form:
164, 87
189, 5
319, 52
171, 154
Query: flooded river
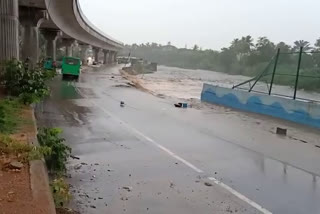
187, 83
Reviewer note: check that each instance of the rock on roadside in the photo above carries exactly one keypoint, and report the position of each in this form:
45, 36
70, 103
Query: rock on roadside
15, 165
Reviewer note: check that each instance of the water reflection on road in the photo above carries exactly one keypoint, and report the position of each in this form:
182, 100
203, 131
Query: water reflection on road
242, 150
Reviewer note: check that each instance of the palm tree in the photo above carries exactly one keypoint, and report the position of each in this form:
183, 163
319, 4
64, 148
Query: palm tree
195, 48
317, 44
284, 48
249, 41
302, 43
235, 42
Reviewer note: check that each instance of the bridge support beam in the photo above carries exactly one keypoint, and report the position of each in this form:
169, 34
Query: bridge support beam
68, 44
83, 53
111, 56
105, 56
51, 36
9, 30
31, 18
115, 56
96, 52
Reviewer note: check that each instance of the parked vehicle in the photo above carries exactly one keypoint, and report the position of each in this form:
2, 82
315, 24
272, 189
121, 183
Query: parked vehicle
71, 66
49, 64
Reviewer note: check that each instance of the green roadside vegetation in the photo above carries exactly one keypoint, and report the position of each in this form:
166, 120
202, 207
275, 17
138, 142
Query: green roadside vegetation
243, 56
25, 83
23, 86
9, 115
11, 121
56, 163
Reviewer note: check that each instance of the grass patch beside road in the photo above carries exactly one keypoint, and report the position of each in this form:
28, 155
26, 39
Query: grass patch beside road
10, 118
21, 151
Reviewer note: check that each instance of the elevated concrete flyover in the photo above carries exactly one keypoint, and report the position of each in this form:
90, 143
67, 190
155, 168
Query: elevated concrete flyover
67, 15
56, 19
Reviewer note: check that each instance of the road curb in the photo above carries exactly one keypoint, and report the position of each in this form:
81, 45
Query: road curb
39, 179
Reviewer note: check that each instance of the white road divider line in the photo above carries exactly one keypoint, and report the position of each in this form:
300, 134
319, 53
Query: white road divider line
239, 195
187, 163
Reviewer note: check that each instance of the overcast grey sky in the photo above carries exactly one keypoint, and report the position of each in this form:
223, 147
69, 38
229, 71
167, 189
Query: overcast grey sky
208, 23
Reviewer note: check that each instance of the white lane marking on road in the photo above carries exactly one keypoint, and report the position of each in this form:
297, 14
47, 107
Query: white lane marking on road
239, 195
172, 154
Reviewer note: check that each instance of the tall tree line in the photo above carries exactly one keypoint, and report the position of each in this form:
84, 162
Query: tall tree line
242, 54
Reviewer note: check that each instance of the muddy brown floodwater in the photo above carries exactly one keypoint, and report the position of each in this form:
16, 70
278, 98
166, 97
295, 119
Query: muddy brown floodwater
187, 83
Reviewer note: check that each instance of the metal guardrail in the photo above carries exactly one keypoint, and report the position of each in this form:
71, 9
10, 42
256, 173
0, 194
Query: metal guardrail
271, 73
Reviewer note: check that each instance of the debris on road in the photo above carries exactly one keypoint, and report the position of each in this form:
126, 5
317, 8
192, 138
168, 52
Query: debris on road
74, 157
281, 131
66, 210
128, 188
122, 104
178, 105
172, 185
123, 86
77, 167
131, 84
84, 195
207, 184
181, 105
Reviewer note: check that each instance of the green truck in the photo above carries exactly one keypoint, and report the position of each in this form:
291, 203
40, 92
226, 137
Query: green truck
71, 66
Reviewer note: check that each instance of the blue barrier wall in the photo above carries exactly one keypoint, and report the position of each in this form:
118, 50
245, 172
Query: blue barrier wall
307, 113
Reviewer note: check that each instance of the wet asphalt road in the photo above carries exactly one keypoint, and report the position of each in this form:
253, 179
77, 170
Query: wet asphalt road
133, 147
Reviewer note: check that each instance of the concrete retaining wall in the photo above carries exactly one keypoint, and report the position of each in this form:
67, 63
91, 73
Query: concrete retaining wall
307, 113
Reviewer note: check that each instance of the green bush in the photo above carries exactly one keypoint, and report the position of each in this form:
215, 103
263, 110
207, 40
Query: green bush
56, 160
2, 118
49, 74
60, 191
27, 84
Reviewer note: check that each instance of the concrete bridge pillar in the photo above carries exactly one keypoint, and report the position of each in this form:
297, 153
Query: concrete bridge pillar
9, 30
31, 18
83, 53
96, 52
111, 56
68, 43
69, 50
105, 56
51, 36
115, 56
